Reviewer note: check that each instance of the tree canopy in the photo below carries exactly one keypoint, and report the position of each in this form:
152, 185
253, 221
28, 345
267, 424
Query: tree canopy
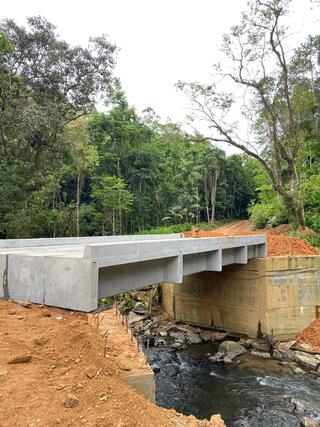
68, 170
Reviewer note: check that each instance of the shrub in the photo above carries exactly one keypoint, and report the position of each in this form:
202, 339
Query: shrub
313, 220
180, 228
268, 214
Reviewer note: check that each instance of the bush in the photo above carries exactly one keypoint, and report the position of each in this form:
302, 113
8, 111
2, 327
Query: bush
180, 228
313, 220
268, 214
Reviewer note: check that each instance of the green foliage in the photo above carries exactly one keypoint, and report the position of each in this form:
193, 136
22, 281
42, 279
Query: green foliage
180, 228
112, 199
5, 44
313, 220
268, 214
63, 174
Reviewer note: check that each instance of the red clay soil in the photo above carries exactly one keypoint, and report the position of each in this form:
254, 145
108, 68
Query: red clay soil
311, 335
70, 376
278, 244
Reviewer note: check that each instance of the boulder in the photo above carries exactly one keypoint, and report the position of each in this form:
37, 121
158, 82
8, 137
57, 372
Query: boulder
260, 346
306, 360
309, 422
283, 351
159, 342
218, 357
193, 338
206, 335
261, 354
134, 318
218, 336
305, 347
178, 336
231, 349
298, 371
139, 308
299, 408
283, 356
177, 345
122, 307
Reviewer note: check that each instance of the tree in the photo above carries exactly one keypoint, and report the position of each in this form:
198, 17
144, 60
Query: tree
111, 195
44, 85
261, 67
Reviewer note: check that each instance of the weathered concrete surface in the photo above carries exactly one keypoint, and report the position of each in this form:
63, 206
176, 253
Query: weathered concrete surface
73, 275
275, 296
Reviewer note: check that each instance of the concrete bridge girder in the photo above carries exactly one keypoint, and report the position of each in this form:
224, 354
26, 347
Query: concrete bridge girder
74, 275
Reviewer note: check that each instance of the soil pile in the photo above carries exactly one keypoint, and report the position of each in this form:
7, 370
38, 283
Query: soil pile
284, 245
311, 335
277, 243
56, 370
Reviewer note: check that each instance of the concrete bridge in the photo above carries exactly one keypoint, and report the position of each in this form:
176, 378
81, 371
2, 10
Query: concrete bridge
74, 272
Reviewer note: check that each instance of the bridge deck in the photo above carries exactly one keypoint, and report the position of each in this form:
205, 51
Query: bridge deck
74, 272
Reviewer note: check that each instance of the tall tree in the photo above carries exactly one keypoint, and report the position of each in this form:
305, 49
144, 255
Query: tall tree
44, 84
260, 66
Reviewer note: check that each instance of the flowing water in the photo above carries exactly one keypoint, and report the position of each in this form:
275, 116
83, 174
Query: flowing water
257, 392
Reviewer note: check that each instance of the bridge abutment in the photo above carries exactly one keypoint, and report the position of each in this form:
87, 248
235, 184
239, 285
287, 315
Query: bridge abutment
276, 296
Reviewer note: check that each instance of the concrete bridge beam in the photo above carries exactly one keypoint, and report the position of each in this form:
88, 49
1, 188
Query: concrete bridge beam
74, 275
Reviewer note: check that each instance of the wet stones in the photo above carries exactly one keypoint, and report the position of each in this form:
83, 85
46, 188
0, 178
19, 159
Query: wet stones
139, 308
206, 335
193, 338
260, 354
179, 336
307, 361
134, 318
309, 422
231, 349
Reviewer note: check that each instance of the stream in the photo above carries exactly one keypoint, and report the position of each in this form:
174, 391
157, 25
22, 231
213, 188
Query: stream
253, 393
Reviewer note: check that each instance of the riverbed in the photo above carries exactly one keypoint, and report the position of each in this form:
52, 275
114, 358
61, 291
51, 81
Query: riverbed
252, 392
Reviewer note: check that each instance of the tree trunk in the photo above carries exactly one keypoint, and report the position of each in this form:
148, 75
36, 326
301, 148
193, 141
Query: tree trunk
78, 203
206, 196
213, 195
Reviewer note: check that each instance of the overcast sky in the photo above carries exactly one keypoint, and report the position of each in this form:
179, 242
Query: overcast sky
160, 41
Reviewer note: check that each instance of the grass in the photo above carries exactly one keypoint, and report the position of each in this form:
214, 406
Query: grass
180, 228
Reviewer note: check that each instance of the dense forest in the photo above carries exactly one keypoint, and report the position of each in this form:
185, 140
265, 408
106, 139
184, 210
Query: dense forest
67, 169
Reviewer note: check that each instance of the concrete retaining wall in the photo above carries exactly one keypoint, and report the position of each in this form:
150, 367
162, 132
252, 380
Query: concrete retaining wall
274, 296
